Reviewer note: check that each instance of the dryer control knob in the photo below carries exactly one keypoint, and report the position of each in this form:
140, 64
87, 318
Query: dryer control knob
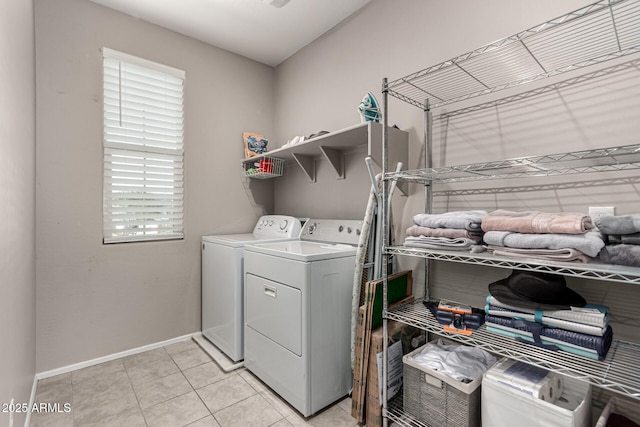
283, 224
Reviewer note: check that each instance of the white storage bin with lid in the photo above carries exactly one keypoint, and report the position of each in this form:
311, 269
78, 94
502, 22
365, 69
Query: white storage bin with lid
506, 406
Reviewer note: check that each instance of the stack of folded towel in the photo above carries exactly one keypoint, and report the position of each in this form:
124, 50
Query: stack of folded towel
540, 309
561, 236
459, 230
622, 234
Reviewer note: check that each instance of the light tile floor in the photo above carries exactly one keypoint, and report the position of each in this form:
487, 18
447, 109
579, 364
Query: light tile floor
174, 386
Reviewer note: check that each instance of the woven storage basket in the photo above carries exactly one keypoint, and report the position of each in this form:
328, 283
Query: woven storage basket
439, 400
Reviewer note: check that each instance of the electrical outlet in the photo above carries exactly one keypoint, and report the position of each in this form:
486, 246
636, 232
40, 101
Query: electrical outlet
597, 211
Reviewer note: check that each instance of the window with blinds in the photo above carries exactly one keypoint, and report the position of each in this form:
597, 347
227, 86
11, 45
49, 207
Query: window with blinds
143, 150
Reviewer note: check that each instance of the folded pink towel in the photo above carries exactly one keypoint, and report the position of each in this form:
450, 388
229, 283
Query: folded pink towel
452, 233
537, 222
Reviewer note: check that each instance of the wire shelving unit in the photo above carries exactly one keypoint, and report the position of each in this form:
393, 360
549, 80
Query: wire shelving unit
604, 31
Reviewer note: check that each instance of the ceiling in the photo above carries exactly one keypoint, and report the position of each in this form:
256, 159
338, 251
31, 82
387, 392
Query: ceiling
251, 28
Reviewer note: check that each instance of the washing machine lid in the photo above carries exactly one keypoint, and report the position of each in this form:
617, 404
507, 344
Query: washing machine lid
300, 250
239, 240
269, 228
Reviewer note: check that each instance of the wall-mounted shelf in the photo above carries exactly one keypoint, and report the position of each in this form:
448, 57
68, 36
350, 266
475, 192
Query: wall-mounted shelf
332, 146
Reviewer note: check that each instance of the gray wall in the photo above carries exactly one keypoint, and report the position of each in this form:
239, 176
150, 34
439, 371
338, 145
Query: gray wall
17, 204
320, 87
95, 299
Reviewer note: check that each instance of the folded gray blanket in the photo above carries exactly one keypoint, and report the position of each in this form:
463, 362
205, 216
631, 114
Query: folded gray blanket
466, 220
537, 222
444, 243
621, 254
589, 243
452, 233
631, 239
568, 254
623, 224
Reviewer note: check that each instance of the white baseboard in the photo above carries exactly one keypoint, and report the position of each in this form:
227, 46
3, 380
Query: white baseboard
97, 361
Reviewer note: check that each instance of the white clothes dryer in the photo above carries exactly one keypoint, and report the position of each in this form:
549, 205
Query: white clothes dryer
298, 313
223, 280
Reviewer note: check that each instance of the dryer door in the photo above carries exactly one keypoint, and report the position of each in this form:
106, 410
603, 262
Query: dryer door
275, 311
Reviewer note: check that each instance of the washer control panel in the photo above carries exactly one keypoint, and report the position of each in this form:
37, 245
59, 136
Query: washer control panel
277, 225
345, 231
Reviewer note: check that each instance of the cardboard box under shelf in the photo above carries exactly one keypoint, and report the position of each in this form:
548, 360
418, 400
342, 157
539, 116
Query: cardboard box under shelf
398, 332
369, 318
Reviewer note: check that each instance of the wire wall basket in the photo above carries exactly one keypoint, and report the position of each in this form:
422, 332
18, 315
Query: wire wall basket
264, 168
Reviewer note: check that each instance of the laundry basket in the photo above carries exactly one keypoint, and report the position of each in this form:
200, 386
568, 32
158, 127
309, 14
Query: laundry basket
437, 399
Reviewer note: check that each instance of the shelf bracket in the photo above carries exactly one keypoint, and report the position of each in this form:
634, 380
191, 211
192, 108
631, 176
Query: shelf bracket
307, 165
335, 158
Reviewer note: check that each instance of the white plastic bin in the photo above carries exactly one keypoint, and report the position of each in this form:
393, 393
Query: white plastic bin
505, 406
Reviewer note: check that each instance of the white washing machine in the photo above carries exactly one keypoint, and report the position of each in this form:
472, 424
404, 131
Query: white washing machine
298, 313
222, 280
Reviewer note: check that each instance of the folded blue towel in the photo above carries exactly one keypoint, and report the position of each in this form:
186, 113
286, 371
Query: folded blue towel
600, 345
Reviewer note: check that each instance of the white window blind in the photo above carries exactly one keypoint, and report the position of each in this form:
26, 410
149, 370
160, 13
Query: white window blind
143, 150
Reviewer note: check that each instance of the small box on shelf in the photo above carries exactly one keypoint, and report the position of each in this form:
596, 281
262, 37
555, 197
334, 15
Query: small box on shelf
264, 168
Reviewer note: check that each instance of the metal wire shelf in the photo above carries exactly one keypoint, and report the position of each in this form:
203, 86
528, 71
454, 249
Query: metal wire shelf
596, 33
619, 372
395, 412
592, 270
619, 158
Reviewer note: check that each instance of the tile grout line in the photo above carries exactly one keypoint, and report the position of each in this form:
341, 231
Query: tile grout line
135, 394
194, 389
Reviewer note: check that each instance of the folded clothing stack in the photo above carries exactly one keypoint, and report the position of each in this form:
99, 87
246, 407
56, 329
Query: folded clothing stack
622, 234
538, 308
563, 236
458, 230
